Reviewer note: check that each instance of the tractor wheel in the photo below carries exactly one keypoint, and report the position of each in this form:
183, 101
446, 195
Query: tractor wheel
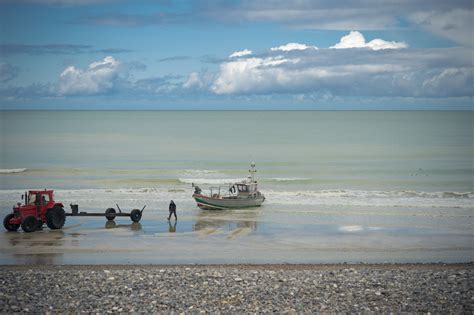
55, 218
136, 215
29, 224
7, 225
110, 214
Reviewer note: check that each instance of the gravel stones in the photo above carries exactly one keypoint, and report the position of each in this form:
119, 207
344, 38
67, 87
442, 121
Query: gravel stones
230, 289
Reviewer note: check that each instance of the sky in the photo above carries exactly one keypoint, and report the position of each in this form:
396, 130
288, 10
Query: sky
206, 55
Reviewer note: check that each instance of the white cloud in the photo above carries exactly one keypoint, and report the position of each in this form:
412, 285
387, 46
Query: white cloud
194, 81
99, 77
450, 81
240, 53
250, 74
377, 71
293, 46
450, 19
356, 40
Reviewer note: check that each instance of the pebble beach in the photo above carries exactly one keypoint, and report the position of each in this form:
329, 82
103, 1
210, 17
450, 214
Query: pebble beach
434, 288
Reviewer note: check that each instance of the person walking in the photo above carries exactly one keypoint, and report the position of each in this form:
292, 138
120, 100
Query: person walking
172, 209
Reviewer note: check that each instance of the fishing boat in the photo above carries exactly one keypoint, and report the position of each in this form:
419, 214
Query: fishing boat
243, 194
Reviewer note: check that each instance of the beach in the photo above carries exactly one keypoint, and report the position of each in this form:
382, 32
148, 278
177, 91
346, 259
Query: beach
435, 288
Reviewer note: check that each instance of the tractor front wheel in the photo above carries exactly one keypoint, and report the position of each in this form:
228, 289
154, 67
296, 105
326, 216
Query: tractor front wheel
29, 224
135, 215
8, 226
55, 218
110, 214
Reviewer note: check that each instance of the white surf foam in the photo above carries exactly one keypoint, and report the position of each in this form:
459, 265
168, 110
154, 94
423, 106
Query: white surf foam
372, 198
289, 179
158, 198
351, 228
210, 181
12, 170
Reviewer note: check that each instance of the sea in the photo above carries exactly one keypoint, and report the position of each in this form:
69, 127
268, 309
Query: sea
340, 186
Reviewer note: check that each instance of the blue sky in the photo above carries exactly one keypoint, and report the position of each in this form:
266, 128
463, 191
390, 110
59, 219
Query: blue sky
273, 54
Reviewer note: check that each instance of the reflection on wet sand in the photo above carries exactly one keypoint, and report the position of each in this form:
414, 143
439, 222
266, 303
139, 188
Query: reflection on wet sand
35, 248
172, 227
111, 224
229, 220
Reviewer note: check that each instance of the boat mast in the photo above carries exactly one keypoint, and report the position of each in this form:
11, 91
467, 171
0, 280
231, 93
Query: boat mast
252, 172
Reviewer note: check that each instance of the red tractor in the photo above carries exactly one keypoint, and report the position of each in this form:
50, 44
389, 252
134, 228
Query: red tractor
39, 208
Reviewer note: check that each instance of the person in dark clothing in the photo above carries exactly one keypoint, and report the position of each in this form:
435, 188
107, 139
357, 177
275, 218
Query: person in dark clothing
172, 209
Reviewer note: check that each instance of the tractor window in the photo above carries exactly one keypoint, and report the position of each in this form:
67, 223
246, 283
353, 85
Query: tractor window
44, 199
32, 198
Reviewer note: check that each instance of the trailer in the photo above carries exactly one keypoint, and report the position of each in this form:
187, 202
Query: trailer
110, 214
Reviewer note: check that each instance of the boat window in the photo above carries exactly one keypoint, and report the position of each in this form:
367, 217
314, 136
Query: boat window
243, 188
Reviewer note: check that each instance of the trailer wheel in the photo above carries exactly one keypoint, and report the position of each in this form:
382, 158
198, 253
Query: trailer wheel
8, 226
135, 215
55, 218
110, 214
29, 224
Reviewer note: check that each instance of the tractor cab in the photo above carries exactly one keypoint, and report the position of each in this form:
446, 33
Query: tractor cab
39, 198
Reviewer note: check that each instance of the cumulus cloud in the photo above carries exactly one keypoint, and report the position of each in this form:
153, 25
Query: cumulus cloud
240, 53
293, 46
382, 70
250, 74
98, 78
356, 40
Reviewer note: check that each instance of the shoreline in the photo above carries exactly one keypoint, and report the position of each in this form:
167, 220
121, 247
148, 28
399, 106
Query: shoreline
303, 266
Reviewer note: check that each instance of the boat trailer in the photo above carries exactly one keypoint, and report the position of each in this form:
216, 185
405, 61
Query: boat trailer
110, 214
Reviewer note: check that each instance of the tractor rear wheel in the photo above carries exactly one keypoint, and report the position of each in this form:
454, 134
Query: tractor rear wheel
8, 226
110, 214
29, 224
135, 215
55, 218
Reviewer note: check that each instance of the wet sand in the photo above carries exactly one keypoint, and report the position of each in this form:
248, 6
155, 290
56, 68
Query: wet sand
440, 288
227, 238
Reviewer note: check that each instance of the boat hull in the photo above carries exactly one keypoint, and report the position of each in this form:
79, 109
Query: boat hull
208, 203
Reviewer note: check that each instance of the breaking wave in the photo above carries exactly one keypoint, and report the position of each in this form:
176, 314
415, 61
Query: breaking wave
156, 197
289, 179
373, 198
12, 170
210, 181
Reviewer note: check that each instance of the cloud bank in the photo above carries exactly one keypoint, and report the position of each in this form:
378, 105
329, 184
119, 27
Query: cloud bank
352, 67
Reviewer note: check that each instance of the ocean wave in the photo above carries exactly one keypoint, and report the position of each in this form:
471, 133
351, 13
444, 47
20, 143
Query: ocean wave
12, 170
210, 181
289, 179
142, 181
372, 198
200, 172
158, 196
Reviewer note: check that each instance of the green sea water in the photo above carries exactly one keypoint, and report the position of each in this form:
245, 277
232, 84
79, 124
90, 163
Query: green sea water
340, 186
